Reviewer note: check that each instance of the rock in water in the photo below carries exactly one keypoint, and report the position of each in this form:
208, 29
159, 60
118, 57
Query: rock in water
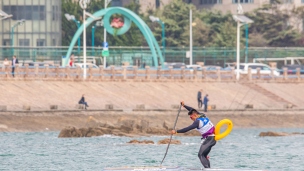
273, 134
141, 142
166, 141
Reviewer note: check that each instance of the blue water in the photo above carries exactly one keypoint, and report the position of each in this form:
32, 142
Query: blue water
243, 148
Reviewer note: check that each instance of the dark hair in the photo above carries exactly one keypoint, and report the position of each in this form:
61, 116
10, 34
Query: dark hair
192, 111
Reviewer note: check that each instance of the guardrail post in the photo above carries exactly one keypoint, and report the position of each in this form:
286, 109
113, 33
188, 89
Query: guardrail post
112, 73
259, 73
298, 74
66, 71
272, 74
285, 76
218, 73
158, 75
36, 70
79, 73
249, 75
101, 72
171, 72
90, 72
182, 72
204, 74
135, 72
147, 72
16, 71
195, 72
57, 71
46, 71
124, 72
233, 74
26, 70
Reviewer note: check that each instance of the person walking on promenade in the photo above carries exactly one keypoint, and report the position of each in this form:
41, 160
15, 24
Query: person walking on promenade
199, 98
82, 101
14, 62
206, 100
202, 124
5, 62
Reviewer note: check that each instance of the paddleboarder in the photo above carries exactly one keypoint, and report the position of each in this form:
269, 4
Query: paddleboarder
206, 128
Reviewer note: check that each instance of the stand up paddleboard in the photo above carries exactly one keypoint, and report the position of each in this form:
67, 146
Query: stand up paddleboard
178, 168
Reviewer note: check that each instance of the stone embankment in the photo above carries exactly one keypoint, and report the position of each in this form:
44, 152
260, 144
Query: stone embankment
123, 127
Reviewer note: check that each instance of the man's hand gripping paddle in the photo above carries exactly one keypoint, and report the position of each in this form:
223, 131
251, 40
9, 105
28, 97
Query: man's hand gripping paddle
171, 134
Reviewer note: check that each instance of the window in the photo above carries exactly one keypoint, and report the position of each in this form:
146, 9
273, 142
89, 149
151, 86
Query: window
24, 42
302, 1
207, 2
53, 42
35, 12
6, 42
40, 42
243, 1
55, 13
157, 3
116, 3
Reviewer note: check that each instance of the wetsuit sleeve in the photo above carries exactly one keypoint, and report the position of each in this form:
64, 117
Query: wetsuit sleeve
188, 107
193, 126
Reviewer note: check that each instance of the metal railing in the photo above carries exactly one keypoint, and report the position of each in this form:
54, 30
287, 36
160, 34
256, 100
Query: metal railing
133, 73
138, 56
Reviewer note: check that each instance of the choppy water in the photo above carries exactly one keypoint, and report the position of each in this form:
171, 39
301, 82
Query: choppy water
243, 148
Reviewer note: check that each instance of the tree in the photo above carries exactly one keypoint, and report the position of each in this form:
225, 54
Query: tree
273, 24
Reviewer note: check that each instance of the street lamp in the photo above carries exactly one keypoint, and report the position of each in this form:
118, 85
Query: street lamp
84, 4
4, 15
106, 3
98, 24
156, 19
19, 23
241, 20
72, 18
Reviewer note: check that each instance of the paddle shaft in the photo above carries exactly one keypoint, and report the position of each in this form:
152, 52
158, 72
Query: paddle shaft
171, 134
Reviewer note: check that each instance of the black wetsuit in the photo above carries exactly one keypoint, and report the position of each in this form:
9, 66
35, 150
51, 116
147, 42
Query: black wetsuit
206, 145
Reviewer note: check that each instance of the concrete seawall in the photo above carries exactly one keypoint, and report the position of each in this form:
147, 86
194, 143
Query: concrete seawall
40, 95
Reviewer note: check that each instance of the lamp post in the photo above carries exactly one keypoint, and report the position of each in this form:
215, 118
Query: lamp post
106, 3
98, 24
156, 19
84, 4
19, 23
72, 18
241, 20
191, 46
4, 15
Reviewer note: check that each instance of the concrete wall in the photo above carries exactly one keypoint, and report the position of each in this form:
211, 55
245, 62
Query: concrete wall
154, 95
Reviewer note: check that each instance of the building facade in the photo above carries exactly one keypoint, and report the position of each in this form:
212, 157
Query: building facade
41, 26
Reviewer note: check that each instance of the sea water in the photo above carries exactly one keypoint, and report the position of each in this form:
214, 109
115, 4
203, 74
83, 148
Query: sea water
241, 149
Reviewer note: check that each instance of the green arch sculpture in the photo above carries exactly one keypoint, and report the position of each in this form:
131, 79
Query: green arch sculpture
107, 13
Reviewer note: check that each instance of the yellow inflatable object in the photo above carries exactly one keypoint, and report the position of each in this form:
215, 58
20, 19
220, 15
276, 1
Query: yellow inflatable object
217, 132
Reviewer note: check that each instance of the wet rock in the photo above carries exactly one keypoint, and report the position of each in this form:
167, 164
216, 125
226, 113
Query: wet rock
141, 142
167, 140
272, 134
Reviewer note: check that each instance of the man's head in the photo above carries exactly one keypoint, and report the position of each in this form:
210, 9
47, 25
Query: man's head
193, 114
14, 57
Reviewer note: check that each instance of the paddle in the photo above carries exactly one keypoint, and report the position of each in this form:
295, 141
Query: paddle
171, 135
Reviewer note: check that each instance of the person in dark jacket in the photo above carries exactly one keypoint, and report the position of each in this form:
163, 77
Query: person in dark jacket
206, 100
199, 98
202, 124
82, 101
14, 64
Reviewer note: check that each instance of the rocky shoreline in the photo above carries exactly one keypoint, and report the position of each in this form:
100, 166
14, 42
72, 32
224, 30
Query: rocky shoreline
140, 123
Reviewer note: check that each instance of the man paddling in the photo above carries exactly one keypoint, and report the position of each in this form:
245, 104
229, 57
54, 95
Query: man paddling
206, 128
